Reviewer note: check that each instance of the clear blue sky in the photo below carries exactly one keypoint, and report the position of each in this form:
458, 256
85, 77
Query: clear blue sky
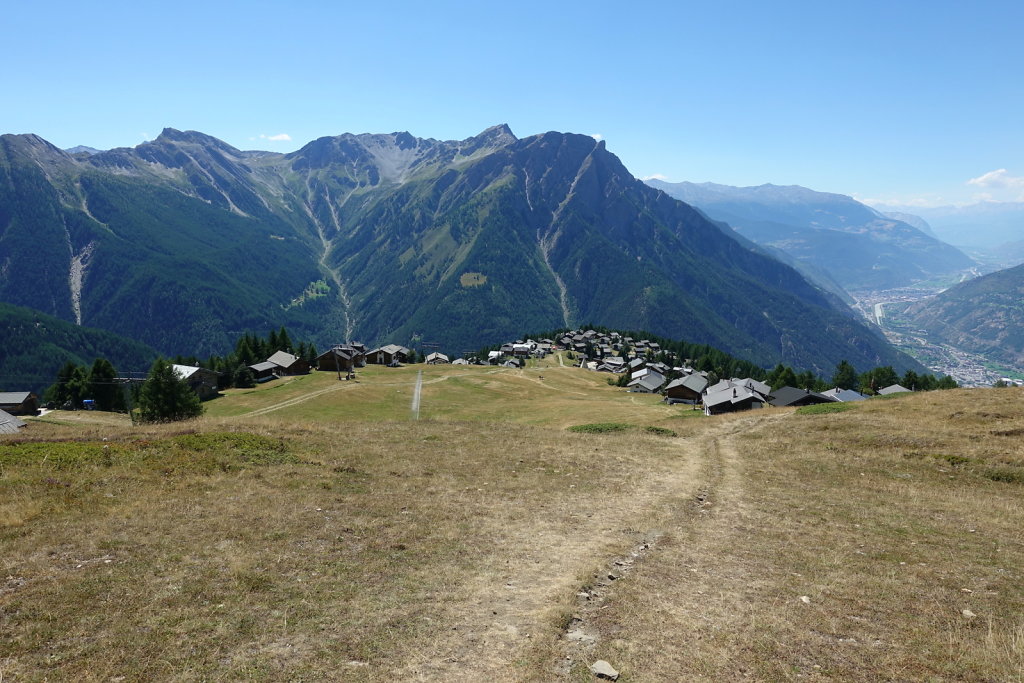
882, 100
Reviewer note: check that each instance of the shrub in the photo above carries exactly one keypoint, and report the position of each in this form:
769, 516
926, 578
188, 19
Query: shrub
824, 408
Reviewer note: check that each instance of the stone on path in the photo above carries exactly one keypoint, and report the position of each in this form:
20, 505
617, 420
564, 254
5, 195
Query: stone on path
603, 669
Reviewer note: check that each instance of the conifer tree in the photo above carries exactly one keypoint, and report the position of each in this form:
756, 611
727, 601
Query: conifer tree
101, 386
165, 397
284, 341
845, 376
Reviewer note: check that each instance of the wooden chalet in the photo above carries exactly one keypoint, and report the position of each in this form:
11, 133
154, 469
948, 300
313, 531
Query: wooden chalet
341, 358
734, 395
390, 354
437, 358
19, 402
844, 395
647, 383
200, 380
264, 372
289, 364
688, 389
785, 397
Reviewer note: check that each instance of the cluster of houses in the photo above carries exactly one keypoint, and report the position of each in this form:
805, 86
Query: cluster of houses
690, 386
600, 352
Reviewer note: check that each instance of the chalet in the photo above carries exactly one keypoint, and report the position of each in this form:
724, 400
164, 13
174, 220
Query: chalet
9, 424
612, 364
521, 350
785, 397
341, 358
460, 361
437, 358
660, 367
844, 395
265, 371
732, 400
686, 389
390, 354
734, 395
748, 383
19, 402
893, 389
494, 357
288, 364
650, 382
200, 380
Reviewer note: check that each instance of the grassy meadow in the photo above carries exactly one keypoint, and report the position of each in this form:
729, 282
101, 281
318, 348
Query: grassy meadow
310, 529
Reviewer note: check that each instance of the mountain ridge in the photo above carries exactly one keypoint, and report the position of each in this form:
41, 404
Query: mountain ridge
856, 244
455, 242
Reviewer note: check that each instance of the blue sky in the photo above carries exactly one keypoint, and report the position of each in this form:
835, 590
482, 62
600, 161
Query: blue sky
896, 101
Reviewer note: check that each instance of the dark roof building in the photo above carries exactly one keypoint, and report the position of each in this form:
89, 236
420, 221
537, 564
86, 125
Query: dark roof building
389, 354
784, 397
341, 358
687, 388
19, 402
289, 364
265, 371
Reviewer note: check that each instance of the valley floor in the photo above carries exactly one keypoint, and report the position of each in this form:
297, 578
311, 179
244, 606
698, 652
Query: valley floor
297, 535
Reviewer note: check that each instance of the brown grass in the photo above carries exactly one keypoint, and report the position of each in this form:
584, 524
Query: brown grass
281, 548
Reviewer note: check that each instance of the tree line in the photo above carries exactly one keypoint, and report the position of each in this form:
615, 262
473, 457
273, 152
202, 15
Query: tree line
163, 395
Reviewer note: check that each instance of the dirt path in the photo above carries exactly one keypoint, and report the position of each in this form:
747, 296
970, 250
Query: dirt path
676, 564
512, 623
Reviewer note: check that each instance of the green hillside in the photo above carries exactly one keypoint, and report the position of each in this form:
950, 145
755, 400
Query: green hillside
984, 315
35, 346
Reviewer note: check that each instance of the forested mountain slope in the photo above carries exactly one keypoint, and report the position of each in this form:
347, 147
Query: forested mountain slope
185, 242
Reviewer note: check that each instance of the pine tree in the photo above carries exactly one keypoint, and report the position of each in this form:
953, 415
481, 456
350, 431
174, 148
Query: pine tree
242, 377
284, 341
911, 380
78, 386
102, 388
786, 378
845, 377
58, 393
165, 397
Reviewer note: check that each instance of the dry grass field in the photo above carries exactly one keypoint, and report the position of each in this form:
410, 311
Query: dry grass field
310, 530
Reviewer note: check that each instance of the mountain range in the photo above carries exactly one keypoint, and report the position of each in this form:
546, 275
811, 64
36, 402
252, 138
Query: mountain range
857, 246
986, 225
185, 242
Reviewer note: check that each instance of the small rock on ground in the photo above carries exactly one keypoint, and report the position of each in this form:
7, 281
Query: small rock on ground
603, 669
